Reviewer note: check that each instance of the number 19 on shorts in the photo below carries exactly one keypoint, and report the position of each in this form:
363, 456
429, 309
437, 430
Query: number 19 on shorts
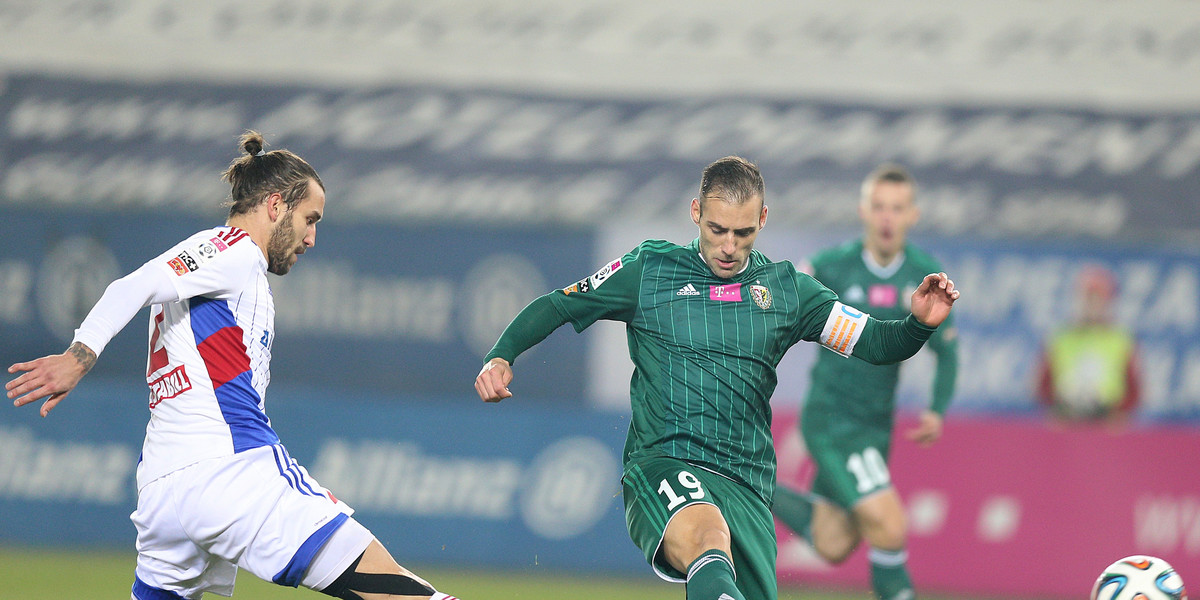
690, 484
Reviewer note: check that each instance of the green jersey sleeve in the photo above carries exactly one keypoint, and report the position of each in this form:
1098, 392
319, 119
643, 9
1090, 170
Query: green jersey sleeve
536, 321
611, 293
891, 341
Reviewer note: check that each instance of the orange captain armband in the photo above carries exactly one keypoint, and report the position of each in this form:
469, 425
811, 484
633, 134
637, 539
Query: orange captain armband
843, 328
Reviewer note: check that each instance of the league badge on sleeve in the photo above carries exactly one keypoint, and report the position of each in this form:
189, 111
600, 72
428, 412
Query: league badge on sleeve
177, 265
604, 273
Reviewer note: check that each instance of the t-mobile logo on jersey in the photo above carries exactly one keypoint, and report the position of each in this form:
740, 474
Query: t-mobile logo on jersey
731, 292
882, 295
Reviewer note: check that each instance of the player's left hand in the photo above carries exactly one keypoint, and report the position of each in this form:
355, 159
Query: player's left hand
932, 300
927, 431
51, 377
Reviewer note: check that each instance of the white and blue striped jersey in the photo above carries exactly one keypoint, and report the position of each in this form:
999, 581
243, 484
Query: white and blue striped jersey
210, 353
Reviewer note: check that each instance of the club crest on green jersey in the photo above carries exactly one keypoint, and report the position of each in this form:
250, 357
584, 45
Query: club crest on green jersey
761, 296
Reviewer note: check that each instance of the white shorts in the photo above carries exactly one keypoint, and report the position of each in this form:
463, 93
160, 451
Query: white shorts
258, 510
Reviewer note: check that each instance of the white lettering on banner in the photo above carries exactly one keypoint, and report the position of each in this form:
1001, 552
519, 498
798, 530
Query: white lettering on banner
1154, 296
570, 484
32, 469
565, 490
1167, 524
927, 511
1157, 361
484, 197
1189, 388
124, 118
501, 127
1185, 157
332, 298
999, 518
573, 133
117, 180
1042, 212
401, 478
16, 279
1000, 288
1176, 302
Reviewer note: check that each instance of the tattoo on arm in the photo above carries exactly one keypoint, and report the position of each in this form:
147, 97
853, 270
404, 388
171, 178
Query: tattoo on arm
83, 354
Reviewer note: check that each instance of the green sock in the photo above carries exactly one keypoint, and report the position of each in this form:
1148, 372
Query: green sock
795, 510
889, 574
710, 577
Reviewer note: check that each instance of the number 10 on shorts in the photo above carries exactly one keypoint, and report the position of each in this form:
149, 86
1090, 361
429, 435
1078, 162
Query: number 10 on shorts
870, 469
689, 482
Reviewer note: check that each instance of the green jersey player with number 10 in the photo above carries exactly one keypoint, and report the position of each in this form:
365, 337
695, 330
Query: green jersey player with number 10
707, 324
848, 413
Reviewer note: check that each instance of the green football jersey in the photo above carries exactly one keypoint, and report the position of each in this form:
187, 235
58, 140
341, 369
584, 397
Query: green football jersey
855, 387
704, 351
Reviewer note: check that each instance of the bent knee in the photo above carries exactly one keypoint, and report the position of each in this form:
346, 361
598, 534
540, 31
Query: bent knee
714, 539
835, 550
887, 533
692, 532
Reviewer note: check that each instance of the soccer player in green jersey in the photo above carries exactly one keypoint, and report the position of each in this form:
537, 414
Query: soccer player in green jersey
847, 415
707, 324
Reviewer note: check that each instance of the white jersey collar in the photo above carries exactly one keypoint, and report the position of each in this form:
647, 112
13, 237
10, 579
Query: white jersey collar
879, 270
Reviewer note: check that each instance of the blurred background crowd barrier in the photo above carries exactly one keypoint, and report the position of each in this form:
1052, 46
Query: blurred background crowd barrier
480, 153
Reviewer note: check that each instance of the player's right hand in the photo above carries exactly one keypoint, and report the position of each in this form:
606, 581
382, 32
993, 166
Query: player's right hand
492, 382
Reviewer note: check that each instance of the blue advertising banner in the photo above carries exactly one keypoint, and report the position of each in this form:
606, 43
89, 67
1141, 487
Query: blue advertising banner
414, 154
1016, 295
371, 307
440, 480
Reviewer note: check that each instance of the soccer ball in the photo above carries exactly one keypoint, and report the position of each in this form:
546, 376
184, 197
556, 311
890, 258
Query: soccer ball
1139, 578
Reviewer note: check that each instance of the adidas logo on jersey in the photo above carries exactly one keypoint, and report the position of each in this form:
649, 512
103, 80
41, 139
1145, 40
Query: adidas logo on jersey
688, 290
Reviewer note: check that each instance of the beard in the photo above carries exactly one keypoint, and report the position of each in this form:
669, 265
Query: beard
281, 246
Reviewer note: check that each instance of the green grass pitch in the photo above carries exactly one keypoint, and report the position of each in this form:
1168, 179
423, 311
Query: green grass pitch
38, 574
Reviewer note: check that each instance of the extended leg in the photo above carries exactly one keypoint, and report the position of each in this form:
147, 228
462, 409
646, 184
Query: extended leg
881, 519
377, 576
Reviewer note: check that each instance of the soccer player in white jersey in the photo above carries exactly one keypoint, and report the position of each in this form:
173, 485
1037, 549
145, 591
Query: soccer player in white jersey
216, 488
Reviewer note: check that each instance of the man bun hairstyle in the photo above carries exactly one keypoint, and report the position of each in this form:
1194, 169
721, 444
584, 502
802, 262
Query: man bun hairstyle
258, 174
732, 179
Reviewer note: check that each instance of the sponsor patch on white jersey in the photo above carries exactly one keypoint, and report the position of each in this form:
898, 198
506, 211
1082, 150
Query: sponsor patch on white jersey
843, 328
169, 385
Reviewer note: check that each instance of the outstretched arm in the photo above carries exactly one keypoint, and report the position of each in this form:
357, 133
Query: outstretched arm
51, 377
54, 376
536, 321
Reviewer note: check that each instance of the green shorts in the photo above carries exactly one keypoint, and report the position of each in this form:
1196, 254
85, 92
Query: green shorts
850, 457
657, 488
